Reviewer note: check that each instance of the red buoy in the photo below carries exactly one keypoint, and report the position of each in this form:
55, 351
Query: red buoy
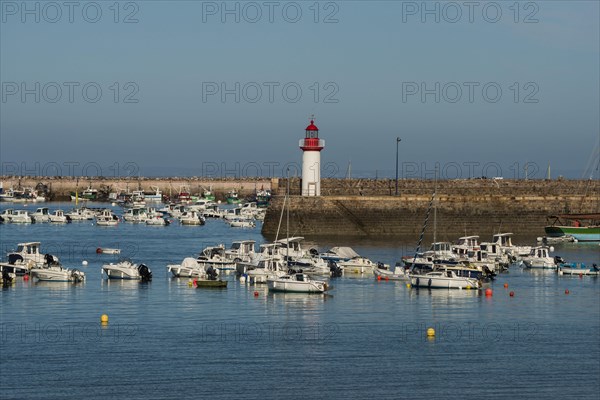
506, 286
25, 277
512, 294
387, 278
567, 291
99, 250
255, 294
488, 292
195, 281
378, 277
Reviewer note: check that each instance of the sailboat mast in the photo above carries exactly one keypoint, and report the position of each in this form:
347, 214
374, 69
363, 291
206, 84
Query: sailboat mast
435, 213
287, 230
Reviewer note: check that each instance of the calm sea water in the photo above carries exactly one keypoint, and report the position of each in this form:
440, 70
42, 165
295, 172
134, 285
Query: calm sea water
366, 339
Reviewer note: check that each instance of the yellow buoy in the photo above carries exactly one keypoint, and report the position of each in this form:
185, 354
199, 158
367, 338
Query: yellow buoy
408, 285
190, 283
430, 332
104, 318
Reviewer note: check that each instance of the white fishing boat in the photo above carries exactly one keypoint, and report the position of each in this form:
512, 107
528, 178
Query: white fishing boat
443, 279
297, 283
578, 269
539, 258
191, 218
153, 196
28, 251
241, 251
21, 217
7, 214
56, 273
189, 268
41, 215
58, 217
107, 218
81, 214
127, 270
135, 215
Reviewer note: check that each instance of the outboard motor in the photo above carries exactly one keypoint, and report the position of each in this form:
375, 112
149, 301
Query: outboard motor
558, 260
145, 273
334, 269
50, 260
6, 278
211, 274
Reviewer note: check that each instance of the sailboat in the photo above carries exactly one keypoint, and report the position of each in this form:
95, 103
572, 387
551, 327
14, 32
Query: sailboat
297, 282
437, 276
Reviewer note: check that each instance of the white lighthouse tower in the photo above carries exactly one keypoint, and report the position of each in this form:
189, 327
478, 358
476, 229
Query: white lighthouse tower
311, 146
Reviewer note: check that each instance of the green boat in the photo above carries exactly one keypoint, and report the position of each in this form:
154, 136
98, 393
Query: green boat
571, 224
232, 197
207, 194
207, 283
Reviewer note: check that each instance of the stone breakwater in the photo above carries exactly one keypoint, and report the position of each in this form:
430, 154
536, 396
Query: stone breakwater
365, 208
61, 187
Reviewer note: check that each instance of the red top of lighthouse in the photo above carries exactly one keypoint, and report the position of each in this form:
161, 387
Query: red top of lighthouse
311, 141
312, 126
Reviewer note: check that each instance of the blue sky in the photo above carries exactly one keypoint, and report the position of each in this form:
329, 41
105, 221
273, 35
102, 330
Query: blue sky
361, 69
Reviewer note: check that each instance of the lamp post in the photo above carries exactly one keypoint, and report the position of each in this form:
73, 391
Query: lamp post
398, 140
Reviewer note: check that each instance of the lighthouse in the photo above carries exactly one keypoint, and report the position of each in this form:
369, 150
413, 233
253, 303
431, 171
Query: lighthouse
311, 147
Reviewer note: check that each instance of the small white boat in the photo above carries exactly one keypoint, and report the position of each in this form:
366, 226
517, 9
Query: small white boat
297, 283
241, 223
135, 215
157, 221
190, 268
21, 217
80, 214
539, 258
268, 268
384, 272
443, 279
106, 250
41, 214
578, 269
127, 270
56, 273
191, 218
7, 214
58, 217
107, 218
26, 252
215, 256
358, 265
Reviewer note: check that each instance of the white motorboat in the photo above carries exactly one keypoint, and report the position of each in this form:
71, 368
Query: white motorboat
241, 223
191, 218
107, 218
539, 257
190, 268
443, 279
504, 240
80, 214
7, 214
297, 283
127, 270
241, 250
21, 217
398, 274
268, 268
106, 250
154, 196
358, 265
135, 215
41, 214
157, 221
56, 273
58, 217
28, 251
215, 256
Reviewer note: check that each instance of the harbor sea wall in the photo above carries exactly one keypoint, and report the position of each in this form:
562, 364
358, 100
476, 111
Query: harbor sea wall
60, 187
366, 208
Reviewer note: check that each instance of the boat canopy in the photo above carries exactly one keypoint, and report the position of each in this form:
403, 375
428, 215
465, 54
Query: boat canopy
344, 252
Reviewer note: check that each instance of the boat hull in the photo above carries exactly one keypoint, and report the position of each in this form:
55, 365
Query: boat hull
205, 283
296, 287
581, 234
443, 283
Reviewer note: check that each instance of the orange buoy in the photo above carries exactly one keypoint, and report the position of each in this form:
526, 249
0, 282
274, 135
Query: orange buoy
25, 277
506, 286
488, 292
255, 294
512, 294
378, 277
567, 291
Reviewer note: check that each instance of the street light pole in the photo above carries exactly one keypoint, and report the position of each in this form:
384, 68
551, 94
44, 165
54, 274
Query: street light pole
398, 140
